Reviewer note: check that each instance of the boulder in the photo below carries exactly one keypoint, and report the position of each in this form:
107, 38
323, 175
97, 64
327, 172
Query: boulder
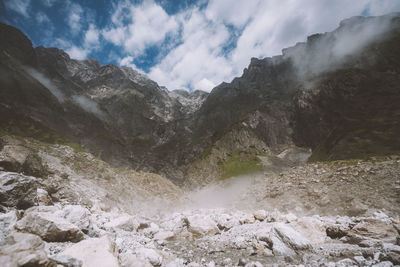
7, 221
201, 225
286, 241
129, 260
23, 249
260, 215
376, 229
124, 222
77, 215
150, 255
49, 226
66, 261
312, 228
17, 190
94, 252
164, 235
33, 166
13, 154
43, 198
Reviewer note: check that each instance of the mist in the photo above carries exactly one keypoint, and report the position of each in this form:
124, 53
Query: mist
329, 51
46, 82
88, 105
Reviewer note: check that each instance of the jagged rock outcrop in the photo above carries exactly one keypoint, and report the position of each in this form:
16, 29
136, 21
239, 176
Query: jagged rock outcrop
17, 190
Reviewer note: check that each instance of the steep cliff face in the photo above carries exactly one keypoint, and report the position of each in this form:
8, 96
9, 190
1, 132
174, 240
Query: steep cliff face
337, 94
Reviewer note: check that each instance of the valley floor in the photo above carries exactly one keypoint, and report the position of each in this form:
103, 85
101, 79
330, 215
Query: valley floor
85, 213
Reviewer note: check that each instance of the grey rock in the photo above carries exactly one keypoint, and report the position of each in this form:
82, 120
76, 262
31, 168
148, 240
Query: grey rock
24, 250
17, 190
7, 221
49, 226
94, 252
66, 261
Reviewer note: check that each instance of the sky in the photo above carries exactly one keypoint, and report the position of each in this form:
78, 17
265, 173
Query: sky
181, 44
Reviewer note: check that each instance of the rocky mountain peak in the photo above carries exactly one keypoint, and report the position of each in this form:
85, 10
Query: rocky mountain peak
15, 44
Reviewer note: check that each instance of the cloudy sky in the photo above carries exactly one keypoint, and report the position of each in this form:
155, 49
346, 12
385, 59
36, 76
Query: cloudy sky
192, 44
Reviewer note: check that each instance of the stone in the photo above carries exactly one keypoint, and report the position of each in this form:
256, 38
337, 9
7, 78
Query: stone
43, 198
151, 230
77, 215
7, 221
260, 215
254, 264
23, 249
376, 229
242, 262
383, 264
13, 154
176, 263
312, 228
33, 166
125, 222
345, 263
201, 225
290, 237
17, 190
149, 254
49, 226
164, 235
360, 260
129, 260
66, 261
94, 252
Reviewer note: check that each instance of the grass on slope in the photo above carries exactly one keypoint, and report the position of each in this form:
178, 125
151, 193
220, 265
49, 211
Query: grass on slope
240, 163
22, 126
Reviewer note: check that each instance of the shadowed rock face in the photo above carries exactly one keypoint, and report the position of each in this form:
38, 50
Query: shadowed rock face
314, 95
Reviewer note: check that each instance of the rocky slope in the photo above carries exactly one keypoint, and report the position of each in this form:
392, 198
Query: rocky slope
78, 211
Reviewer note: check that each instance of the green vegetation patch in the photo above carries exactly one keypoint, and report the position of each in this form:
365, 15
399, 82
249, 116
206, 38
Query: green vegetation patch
22, 126
240, 163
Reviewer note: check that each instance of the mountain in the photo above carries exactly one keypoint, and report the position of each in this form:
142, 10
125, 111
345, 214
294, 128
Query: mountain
297, 160
336, 94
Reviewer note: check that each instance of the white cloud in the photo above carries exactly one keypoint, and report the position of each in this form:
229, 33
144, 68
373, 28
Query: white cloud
19, 6
265, 28
92, 36
49, 3
76, 52
148, 24
74, 17
204, 85
196, 55
128, 62
42, 18
91, 43
115, 35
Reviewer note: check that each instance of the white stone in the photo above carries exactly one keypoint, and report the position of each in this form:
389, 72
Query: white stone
201, 225
7, 222
149, 254
49, 226
290, 237
125, 222
77, 215
94, 252
260, 215
164, 235
130, 260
